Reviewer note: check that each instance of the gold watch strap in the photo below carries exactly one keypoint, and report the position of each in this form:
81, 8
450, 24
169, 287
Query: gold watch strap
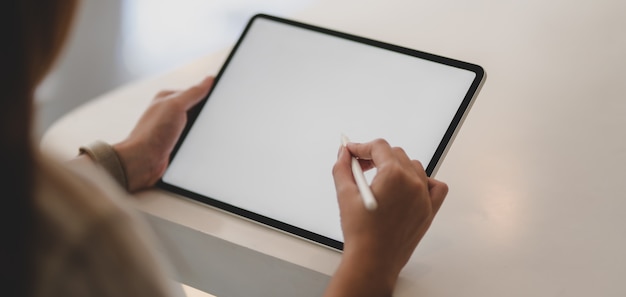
104, 155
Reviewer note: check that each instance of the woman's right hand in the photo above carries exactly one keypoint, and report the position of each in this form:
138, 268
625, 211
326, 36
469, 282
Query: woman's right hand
377, 244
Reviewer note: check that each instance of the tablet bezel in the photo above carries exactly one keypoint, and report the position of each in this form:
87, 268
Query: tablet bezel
279, 225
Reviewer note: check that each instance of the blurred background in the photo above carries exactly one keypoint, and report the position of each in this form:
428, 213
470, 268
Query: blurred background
115, 42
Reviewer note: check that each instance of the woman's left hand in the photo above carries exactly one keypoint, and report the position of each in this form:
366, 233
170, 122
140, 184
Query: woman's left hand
145, 152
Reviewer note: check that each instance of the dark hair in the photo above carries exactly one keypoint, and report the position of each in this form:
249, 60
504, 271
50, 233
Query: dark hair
32, 34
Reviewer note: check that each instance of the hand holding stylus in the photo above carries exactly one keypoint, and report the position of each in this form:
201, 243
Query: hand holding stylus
377, 244
359, 178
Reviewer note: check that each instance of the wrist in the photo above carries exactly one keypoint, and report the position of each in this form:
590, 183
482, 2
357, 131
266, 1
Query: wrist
371, 255
374, 267
362, 275
106, 156
136, 165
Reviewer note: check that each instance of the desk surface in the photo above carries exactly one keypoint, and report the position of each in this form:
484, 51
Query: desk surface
537, 194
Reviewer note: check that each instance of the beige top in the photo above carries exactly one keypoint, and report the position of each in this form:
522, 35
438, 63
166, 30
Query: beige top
90, 242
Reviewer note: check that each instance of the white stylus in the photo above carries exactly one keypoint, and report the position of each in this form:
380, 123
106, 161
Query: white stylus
361, 182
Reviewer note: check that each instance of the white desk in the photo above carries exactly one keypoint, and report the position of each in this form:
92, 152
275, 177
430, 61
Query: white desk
537, 194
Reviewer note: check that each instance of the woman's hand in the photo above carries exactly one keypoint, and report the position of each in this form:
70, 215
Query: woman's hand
377, 244
145, 152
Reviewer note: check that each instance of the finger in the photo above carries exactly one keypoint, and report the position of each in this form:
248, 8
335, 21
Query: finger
342, 173
194, 94
164, 93
419, 169
402, 157
379, 151
366, 164
438, 191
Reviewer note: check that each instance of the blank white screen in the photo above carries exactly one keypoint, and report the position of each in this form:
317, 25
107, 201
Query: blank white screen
268, 136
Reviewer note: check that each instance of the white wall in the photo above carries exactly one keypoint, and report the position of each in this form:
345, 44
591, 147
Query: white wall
117, 41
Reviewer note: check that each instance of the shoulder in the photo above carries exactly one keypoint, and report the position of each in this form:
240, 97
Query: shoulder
76, 198
89, 237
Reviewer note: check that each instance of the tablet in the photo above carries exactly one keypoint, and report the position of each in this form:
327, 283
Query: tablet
263, 143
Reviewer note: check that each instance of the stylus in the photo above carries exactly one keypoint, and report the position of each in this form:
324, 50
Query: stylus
361, 182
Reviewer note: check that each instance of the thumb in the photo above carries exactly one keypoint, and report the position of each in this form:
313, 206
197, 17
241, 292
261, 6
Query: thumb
196, 93
438, 191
